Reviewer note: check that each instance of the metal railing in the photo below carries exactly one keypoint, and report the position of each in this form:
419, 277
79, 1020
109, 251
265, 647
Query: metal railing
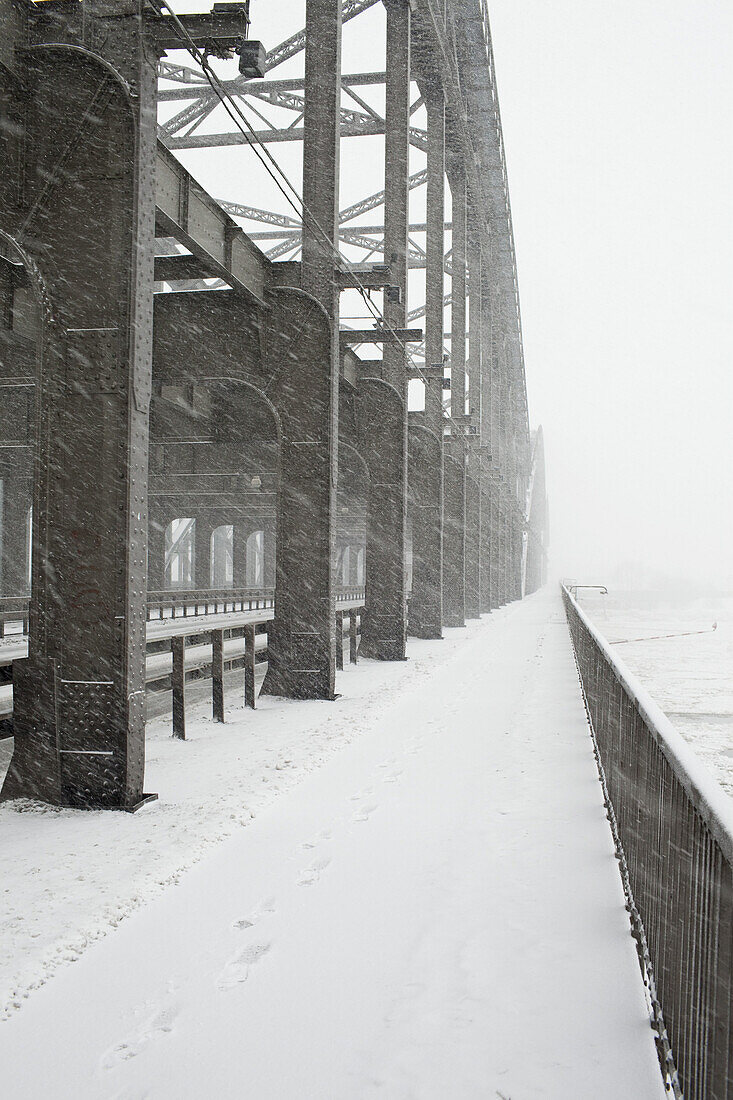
184, 645
673, 826
174, 603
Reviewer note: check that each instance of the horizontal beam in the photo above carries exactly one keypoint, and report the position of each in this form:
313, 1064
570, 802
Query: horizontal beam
380, 336
369, 276
346, 231
187, 213
176, 268
418, 137
238, 87
224, 27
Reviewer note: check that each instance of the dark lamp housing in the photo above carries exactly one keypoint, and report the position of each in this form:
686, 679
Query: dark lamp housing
252, 59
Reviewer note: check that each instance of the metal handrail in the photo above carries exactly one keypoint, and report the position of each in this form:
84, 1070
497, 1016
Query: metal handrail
674, 825
187, 601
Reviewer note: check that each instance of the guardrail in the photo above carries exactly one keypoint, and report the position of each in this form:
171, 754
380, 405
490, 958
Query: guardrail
14, 609
178, 603
673, 827
182, 647
172, 604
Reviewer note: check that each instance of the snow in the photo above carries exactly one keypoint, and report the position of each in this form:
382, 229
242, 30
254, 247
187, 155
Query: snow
703, 791
424, 902
690, 675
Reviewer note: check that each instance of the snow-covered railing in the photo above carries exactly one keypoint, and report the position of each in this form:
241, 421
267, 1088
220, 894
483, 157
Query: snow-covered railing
172, 603
180, 603
674, 832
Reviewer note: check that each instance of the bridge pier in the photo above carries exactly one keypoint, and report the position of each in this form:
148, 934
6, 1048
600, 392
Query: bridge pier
426, 441
382, 406
79, 697
473, 542
381, 417
454, 538
302, 655
426, 511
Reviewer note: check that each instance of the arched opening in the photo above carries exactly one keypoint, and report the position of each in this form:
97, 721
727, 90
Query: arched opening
215, 454
222, 556
345, 572
255, 565
179, 553
360, 563
351, 517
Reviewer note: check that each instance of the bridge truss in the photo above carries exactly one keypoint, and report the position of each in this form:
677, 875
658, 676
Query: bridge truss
175, 374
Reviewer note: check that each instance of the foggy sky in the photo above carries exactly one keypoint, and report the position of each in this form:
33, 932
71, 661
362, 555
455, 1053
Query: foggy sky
618, 125
618, 129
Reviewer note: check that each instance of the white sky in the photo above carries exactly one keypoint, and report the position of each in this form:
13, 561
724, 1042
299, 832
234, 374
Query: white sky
618, 126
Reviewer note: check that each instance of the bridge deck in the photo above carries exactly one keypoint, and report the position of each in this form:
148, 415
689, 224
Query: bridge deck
434, 911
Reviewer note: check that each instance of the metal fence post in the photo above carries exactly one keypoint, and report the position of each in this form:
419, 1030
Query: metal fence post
217, 674
353, 637
249, 666
339, 640
178, 684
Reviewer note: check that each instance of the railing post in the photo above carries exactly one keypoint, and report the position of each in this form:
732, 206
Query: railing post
178, 684
353, 637
217, 675
249, 666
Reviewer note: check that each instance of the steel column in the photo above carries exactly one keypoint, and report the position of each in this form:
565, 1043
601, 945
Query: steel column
396, 184
435, 253
302, 642
473, 540
79, 701
454, 468
380, 420
426, 506
457, 181
476, 559
426, 485
454, 537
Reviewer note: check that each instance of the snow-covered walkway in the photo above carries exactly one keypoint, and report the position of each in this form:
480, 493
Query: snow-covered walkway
432, 913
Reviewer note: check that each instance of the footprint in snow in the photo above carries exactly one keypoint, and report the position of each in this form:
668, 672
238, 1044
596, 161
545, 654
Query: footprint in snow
362, 794
312, 874
392, 777
262, 910
237, 969
157, 1026
326, 834
365, 812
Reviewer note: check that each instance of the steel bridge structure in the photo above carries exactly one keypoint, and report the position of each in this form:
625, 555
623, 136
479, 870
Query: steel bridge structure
185, 411
204, 468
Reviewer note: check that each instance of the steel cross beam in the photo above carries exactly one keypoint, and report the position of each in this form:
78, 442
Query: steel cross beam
363, 127
197, 111
363, 206
293, 229
193, 81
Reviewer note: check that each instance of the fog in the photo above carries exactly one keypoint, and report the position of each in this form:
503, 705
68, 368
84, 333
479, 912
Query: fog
619, 140
618, 125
